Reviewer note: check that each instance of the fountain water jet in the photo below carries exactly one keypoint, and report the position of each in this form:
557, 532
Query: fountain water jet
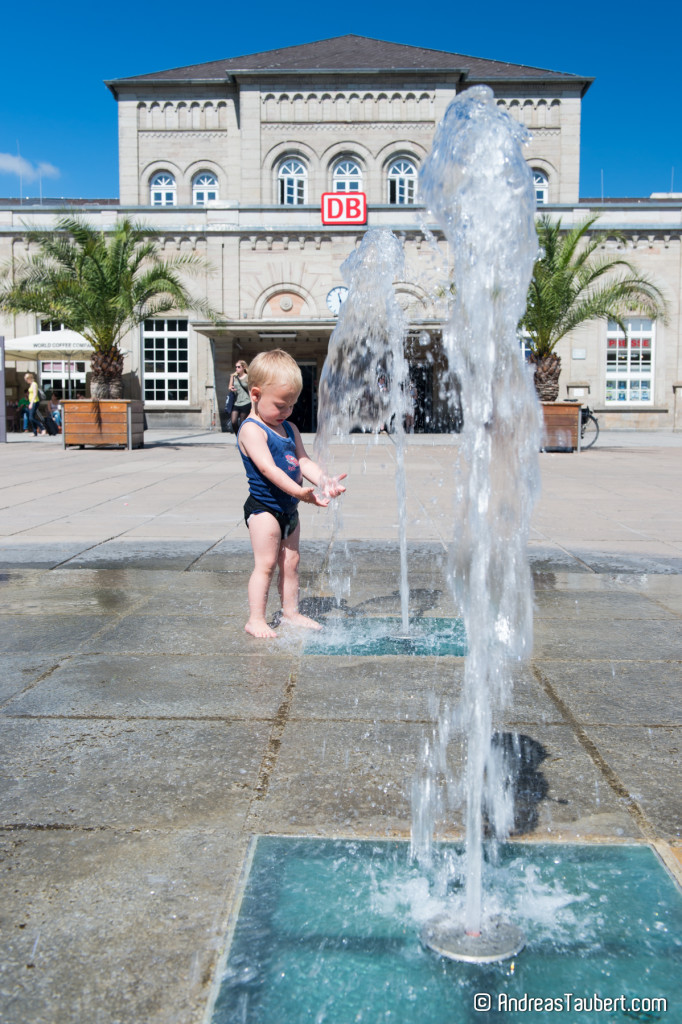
364, 379
478, 186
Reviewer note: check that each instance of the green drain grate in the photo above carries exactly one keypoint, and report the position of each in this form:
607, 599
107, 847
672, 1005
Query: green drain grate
328, 932
383, 636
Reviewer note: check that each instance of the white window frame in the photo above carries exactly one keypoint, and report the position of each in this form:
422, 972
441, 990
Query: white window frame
524, 345
165, 361
292, 182
66, 376
630, 362
205, 190
162, 189
541, 186
402, 182
347, 176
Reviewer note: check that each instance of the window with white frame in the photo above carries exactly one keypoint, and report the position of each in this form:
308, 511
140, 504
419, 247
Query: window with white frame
204, 188
64, 377
541, 185
165, 346
49, 325
162, 191
347, 177
524, 344
292, 179
402, 183
630, 361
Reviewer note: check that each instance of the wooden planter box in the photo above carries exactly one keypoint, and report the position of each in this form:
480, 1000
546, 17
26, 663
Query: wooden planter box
562, 426
105, 422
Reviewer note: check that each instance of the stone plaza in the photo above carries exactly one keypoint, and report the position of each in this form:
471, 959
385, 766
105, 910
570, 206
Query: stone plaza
147, 739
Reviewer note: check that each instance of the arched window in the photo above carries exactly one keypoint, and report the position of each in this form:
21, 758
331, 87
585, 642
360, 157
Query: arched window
292, 181
204, 188
541, 184
347, 177
402, 183
162, 189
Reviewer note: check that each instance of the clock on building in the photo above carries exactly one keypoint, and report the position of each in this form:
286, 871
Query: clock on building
336, 298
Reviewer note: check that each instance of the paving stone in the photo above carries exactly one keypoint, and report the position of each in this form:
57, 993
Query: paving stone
596, 607
248, 685
17, 671
37, 554
620, 641
172, 554
619, 692
105, 925
172, 634
630, 561
48, 633
143, 774
647, 760
341, 777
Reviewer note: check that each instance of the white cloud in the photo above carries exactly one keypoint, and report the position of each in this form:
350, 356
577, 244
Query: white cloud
18, 165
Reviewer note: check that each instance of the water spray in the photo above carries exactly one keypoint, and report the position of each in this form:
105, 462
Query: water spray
479, 189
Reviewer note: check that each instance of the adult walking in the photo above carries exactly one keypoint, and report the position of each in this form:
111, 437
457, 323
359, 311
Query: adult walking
33, 401
239, 386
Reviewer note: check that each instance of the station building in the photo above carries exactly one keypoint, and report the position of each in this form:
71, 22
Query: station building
230, 159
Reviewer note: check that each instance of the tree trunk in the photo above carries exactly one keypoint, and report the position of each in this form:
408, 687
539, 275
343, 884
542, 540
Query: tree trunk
106, 380
547, 370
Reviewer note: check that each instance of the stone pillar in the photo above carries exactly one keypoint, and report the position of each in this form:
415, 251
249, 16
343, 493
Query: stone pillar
677, 405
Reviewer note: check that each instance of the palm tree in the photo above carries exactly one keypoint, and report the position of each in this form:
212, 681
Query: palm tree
573, 284
101, 286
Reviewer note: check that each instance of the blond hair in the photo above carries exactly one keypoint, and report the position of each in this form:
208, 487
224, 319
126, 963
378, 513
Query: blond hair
275, 367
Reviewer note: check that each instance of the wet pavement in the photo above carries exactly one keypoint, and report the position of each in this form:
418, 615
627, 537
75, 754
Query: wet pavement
146, 738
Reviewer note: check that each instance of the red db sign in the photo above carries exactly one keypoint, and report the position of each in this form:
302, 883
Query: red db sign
344, 208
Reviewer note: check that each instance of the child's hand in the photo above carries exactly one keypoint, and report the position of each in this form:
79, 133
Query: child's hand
332, 487
311, 498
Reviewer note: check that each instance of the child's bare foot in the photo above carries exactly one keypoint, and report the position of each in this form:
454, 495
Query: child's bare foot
260, 629
300, 620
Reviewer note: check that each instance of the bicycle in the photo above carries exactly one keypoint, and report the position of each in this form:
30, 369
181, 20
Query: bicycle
589, 427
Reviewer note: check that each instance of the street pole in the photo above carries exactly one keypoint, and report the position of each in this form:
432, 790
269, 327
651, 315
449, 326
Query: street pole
3, 411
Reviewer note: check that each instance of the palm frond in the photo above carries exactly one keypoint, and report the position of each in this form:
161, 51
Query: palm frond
574, 283
101, 285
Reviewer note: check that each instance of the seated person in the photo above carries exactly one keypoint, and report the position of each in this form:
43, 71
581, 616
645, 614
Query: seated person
54, 409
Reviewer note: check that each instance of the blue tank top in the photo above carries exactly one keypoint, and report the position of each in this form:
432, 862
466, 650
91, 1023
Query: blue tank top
283, 451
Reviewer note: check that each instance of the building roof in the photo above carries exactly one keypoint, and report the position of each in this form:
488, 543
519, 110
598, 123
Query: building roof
59, 201
351, 53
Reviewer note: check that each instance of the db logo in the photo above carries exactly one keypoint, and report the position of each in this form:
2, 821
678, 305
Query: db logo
344, 208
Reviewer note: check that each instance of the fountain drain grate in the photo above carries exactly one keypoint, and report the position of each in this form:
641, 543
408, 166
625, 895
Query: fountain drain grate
379, 637
499, 940
329, 930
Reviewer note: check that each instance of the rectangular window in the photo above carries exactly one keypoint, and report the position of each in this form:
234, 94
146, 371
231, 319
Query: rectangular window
291, 191
401, 191
66, 378
630, 362
163, 198
165, 346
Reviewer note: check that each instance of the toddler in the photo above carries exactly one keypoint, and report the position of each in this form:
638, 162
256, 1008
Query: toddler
276, 462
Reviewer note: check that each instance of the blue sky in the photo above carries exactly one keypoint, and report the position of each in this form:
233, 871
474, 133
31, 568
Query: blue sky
58, 120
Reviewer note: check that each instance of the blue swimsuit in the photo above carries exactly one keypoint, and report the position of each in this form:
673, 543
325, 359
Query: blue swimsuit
264, 496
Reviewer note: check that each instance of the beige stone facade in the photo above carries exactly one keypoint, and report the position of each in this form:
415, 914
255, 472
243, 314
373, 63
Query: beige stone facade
273, 264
